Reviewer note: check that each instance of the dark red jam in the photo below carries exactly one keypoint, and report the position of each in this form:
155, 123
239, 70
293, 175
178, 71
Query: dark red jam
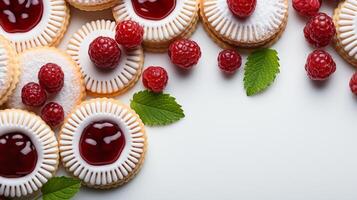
18, 155
101, 143
153, 9
20, 16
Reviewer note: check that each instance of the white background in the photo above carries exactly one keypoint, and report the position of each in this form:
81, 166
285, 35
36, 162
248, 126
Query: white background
297, 140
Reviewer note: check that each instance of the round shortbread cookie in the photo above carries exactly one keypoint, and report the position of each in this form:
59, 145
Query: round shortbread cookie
9, 69
345, 20
87, 154
178, 21
92, 5
265, 25
47, 19
31, 61
40, 151
98, 82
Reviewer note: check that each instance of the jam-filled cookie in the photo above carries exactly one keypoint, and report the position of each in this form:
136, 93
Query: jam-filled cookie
33, 23
9, 69
103, 143
262, 28
163, 20
345, 19
29, 153
33, 93
92, 5
116, 79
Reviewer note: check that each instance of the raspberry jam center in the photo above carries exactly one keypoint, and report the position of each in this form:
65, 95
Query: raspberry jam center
101, 143
153, 9
18, 155
20, 16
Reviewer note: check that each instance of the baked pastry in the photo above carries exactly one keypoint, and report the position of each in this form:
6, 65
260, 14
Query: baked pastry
29, 153
262, 28
92, 5
99, 82
9, 70
73, 91
28, 24
346, 30
103, 143
163, 20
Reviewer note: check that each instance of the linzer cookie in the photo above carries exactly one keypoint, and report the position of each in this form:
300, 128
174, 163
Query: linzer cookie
261, 27
92, 5
48, 76
163, 20
9, 70
346, 30
28, 24
29, 153
103, 143
107, 71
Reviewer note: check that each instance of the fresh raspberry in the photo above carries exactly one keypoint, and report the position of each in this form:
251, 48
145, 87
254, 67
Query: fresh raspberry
242, 8
129, 34
155, 79
320, 65
53, 114
353, 84
319, 30
229, 61
105, 53
32, 94
184, 53
307, 8
51, 77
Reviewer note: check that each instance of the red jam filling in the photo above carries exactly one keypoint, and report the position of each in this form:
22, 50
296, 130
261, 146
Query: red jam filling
153, 9
101, 143
20, 16
18, 155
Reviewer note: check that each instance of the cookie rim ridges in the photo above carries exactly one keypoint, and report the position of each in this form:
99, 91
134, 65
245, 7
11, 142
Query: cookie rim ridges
162, 30
46, 145
51, 34
106, 176
92, 5
220, 26
127, 76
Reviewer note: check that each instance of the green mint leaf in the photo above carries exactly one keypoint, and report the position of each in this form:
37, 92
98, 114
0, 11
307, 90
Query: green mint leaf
260, 70
60, 188
156, 109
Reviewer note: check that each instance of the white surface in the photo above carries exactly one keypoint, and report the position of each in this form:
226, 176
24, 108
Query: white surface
295, 141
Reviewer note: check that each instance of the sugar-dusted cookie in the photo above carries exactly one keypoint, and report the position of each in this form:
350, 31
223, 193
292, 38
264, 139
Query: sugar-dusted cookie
29, 153
92, 5
262, 28
99, 82
103, 143
28, 23
163, 20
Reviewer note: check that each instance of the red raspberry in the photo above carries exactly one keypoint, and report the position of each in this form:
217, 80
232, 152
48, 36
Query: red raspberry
320, 30
32, 94
52, 114
242, 8
184, 53
229, 61
129, 34
51, 77
353, 84
105, 53
307, 8
320, 65
155, 79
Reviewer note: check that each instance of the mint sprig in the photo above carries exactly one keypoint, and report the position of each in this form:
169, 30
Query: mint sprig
156, 109
260, 70
60, 188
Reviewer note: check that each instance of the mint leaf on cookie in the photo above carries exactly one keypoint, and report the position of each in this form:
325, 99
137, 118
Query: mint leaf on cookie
260, 70
60, 188
156, 109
